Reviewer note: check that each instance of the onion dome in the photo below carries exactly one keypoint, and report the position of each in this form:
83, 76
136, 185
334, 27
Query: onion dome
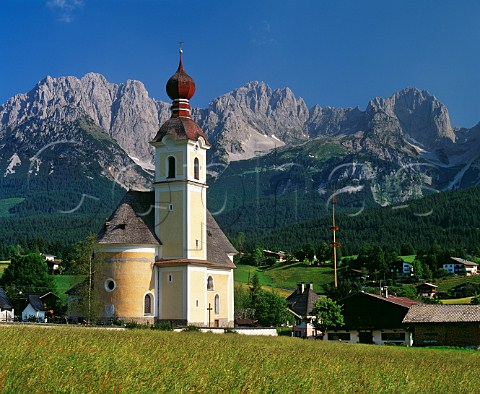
180, 85
180, 88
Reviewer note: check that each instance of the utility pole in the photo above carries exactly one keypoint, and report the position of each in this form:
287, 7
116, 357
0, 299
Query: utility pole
334, 244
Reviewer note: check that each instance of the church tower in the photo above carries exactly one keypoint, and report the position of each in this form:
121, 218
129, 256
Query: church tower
180, 176
161, 256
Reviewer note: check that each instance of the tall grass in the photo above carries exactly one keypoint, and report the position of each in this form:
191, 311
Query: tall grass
77, 360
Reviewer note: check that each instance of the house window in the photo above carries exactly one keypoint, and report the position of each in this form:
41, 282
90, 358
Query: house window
196, 303
147, 304
338, 336
110, 285
171, 167
210, 283
196, 168
217, 304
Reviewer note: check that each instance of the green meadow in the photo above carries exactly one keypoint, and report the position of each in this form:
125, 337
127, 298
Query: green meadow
87, 360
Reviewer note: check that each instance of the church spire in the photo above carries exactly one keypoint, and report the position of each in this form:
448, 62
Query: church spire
180, 88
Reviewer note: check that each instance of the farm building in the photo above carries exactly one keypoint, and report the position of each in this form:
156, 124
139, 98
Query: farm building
161, 256
444, 325
371, 318
426, 290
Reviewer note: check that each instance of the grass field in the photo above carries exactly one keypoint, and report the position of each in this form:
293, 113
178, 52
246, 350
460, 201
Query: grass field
66, 282
286, 276
7, 203
83, 360
3, 266
456, 301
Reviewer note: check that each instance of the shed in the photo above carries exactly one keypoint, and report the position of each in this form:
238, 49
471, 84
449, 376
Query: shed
444, 325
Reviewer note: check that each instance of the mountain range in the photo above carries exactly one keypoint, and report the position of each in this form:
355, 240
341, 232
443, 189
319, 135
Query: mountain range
80, 138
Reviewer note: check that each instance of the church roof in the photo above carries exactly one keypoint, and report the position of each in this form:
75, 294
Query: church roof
180, 88
180, 128
132, 222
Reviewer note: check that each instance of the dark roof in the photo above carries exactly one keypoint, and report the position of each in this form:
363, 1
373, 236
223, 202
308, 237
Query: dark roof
302, 303
132, 222
180, 128
36, 303
403, 301
4, 301
437, 313
426, 284
218, 245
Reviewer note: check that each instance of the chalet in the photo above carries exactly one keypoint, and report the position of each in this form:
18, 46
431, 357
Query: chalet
6, 307
461, 267
52, 264
426, 290
444, 325
279, 256
300, 303
35, 309
402, 268
371, 318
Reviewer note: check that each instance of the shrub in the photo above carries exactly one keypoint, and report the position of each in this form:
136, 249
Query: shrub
229, 330
284, 331
163, 326
191, 329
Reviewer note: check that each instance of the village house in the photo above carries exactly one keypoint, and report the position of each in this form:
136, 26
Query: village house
371, 318
444, 325
461, 266
6, 307
426, 290
35, 309
279, 256
300, 304
402, 268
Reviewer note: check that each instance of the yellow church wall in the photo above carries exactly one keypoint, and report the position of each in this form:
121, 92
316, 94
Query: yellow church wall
163, 160
198, 283
172, 224
196, 225
172, 283
221, 287
132, 273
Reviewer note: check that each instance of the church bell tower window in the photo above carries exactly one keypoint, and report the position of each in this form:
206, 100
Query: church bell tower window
171, 167
196, 168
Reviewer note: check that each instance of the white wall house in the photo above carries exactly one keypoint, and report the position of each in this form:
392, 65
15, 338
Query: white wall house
461, 267
6, 308
34, 309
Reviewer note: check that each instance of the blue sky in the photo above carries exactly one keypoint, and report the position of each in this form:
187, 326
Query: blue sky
329, 52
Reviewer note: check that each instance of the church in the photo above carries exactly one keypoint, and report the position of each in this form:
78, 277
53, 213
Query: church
161, 256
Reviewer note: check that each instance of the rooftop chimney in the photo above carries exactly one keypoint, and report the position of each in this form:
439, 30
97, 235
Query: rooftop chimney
300, 288
384, 291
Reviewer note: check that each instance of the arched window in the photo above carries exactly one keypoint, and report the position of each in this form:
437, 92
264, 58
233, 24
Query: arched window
210, 283
196, 168
217, 304
171, 167
147, 304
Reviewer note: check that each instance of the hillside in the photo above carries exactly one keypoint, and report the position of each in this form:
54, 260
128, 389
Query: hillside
451, 219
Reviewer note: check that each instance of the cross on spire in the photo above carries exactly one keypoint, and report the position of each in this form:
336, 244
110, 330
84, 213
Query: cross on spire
181, 45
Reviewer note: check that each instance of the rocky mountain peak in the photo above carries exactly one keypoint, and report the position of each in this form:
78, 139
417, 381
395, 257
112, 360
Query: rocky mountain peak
421, 116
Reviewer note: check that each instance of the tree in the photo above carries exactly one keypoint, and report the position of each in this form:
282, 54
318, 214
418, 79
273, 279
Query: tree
77, 259
270, 309
328, 314
27, 274
309, 251
323, 252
